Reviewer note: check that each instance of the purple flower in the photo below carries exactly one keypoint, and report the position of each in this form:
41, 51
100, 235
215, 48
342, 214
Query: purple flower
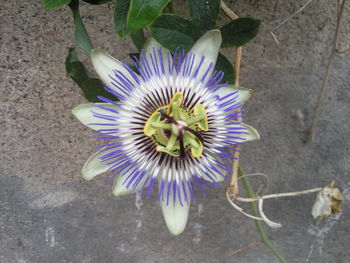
174, 127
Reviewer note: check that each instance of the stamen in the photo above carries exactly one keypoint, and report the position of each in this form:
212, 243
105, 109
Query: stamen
182, 148
174, 128
162, 125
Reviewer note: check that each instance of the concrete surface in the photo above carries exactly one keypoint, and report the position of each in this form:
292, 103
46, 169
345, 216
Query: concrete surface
49, 214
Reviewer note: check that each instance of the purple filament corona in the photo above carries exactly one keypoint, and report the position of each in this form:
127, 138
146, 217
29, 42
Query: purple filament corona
133, 157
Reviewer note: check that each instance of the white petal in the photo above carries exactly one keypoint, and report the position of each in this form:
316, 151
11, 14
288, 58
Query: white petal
94, 166
175, 215
253, 133
120, 188
214, 175
208, 46
216, 179
84, 113
152, 45
104, 64
243, 93
219, 178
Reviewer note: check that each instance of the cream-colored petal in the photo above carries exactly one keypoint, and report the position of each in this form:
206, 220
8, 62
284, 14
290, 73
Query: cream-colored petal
214, 175
175, 215
253, 133
216, 179
85, 114
93, 166
243, 93
208, 46
104, 64
120, 185
152, 46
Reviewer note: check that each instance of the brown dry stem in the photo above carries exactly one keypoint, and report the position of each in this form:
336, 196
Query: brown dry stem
230, 254
326, 76
233, 188
287, 19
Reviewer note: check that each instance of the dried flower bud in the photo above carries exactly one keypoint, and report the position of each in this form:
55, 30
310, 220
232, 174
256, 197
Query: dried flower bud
328, 201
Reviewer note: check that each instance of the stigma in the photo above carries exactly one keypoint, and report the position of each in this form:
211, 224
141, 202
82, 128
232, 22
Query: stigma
177, 130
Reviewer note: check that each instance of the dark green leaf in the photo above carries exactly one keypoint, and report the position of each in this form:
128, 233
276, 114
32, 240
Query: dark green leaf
173, 22
91, 86
120, 15
53, 4
171, 39
138, 38
81, 36
144, 12
97, 2
239, 31
172, 31
223, 64
204, 14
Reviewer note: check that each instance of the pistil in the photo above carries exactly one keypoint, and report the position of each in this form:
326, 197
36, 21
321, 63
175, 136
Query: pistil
175, 129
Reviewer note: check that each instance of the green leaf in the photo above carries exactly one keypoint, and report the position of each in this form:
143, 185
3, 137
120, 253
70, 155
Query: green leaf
174, 22
53, 4
144, 12
172, 31
238, 32
224, 65
80, 34
119, 17
91, 86
97, 2
138, 39
204, 14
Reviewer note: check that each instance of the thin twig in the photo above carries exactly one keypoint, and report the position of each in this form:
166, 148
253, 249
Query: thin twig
241, 249
228, 11
240, 209
287, 19
171, 7
244, 199
259, 174
239, 51
343, 51
233, 187
259, 227
260, 200
327, 73
264, 217
232, 191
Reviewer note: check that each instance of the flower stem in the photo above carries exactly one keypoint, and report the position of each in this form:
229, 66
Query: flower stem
81, 36
326, 76
171, 7
263, 237
236, 168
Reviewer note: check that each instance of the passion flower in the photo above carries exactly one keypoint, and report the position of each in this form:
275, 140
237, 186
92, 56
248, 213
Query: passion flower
173, 125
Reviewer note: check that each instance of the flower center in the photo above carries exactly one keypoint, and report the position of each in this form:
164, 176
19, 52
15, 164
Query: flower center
177, 130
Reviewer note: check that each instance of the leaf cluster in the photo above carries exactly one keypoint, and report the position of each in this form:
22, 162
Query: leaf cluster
172, 31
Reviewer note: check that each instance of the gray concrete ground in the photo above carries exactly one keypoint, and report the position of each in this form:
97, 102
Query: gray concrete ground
49, 214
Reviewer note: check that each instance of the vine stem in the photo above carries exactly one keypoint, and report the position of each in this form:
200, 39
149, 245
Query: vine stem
327, 73
263, 237
287, 19
171, 7
233, 189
